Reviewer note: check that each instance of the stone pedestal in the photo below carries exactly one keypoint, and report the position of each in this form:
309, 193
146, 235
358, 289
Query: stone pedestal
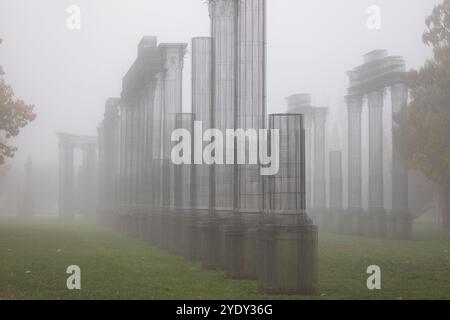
176, 232
191, 236
288, 257
399, 226
239, 250
143, 227
378, 224
211, 243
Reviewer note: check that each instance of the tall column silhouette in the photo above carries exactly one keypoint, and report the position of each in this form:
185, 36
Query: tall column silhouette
354, 153
376, 198
336, 192
399, 94
202, 108
173, 62
223, 14
251, 95
319, 159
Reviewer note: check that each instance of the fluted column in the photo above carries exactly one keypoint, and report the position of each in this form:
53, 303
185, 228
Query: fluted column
376, 197
309, 160
111, 154
173, 60
336, 192
251, 95
202, 109
223, 14
354, 153
156, 133
320, 115
399, 94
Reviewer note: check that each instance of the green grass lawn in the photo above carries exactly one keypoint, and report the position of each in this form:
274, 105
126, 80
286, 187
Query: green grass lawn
34, 257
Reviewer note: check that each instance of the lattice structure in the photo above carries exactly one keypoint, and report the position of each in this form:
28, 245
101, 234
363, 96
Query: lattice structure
239, 59
286, 190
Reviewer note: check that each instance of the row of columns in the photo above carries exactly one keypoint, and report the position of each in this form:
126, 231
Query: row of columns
399, 96
235, 232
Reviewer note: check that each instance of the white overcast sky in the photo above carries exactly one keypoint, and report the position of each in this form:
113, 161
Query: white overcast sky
68, 75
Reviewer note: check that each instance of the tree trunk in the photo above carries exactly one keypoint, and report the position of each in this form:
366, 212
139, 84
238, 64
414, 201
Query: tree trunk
444, 206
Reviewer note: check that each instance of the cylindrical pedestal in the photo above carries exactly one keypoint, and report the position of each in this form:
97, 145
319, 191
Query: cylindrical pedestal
400, 226
236, 250
378, 225
210, 243
191, 237
251, 256
355, 221
288, 259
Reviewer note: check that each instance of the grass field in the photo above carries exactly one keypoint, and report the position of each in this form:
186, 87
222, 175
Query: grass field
34, 257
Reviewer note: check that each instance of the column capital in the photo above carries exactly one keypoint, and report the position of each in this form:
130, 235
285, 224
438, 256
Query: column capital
399, 91
222, 8
375, 99
354, 104
173, 54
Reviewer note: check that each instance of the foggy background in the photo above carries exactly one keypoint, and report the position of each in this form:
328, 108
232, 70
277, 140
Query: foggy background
69, 75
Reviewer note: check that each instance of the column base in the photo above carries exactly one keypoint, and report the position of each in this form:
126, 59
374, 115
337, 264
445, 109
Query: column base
211, 243
377, 223
288, 259
191, 236
239, 250
400, 225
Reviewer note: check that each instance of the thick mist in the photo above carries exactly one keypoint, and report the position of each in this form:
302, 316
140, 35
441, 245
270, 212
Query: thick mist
69, 75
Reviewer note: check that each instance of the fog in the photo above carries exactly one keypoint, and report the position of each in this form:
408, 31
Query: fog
69, 75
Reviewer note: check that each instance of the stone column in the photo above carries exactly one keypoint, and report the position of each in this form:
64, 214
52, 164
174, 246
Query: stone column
223, 14
336, 194
309, 160
376, 197
354, 154
66, 180
320, 115
111, 156
157, 136
173, 62
251, 95
202, 109
399, 94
